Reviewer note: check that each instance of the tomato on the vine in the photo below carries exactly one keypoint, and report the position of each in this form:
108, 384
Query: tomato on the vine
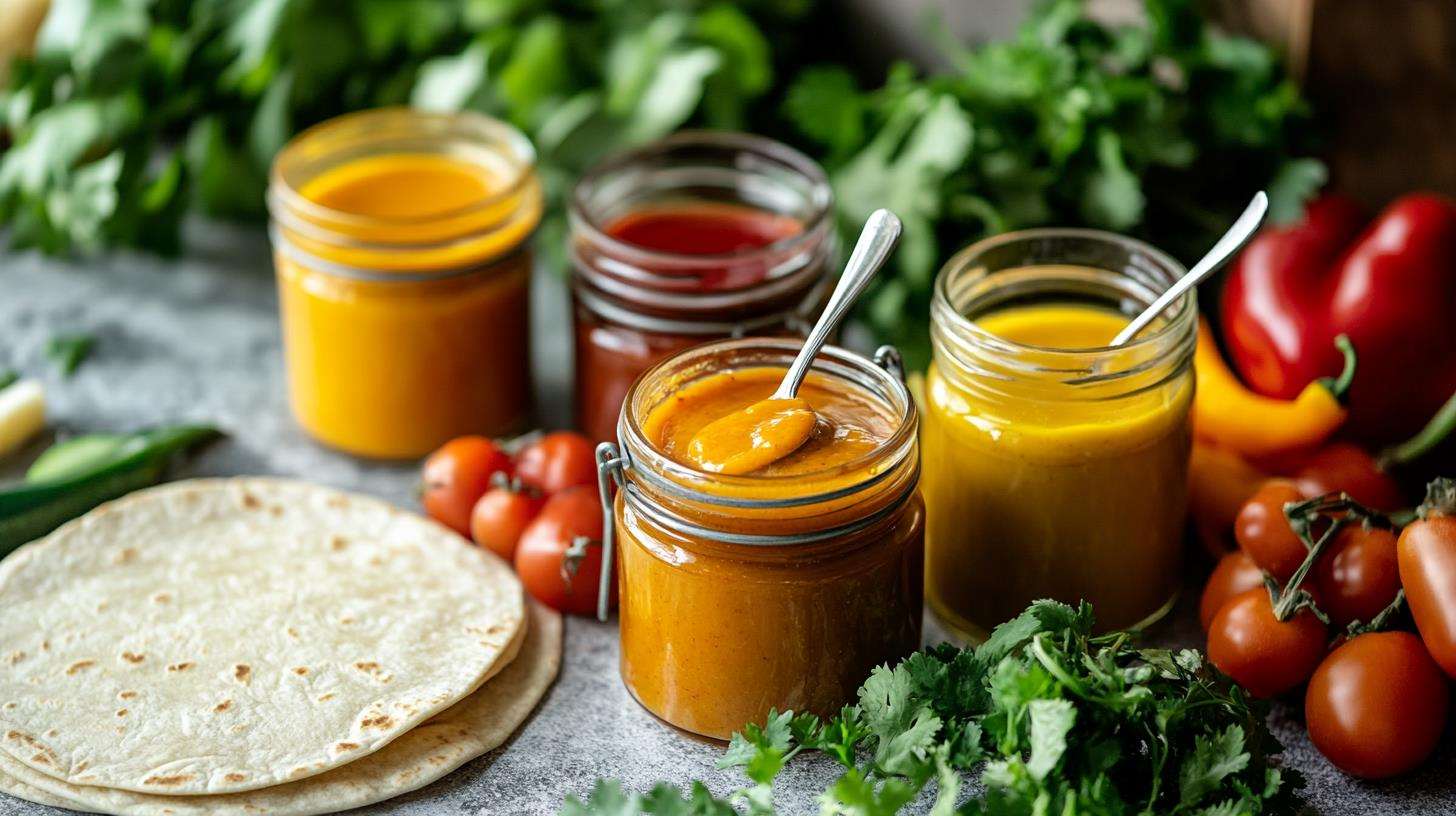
1263, 654
1377, 705
1264, 533
1426, 553
457, 475
556, 461
559, 557
1235, 573
1346, 467
502, 515
1358, 576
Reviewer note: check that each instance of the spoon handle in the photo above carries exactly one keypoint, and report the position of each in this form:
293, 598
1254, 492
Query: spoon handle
1231, 242
881, 231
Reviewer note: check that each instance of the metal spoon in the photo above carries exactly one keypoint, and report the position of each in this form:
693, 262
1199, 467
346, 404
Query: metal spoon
771, 429
1232, 241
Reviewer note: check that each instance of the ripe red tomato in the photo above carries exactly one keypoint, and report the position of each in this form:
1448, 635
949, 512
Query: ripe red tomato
557, 461
1264, 655
1358, 575
500, 517
1236, 573
1377, 705
1346, 467
559, 557
457, 475
1426, 553
1264, 533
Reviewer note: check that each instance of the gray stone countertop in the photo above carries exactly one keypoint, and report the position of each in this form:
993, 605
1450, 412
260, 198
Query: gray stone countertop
197, 339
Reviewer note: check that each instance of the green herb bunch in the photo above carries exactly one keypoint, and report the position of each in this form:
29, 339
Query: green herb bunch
1058, 720
1162, 129
132, 111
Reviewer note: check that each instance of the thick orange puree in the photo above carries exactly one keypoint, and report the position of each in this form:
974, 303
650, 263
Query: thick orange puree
1045, 488
403, 294
716, 631
849, 424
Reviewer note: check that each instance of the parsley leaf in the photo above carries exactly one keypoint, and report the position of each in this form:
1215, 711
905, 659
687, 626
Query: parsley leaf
68, 351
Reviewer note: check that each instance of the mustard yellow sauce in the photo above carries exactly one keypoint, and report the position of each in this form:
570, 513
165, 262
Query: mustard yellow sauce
1034, 493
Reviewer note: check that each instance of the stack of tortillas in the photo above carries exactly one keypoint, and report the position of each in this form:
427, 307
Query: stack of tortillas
257, 646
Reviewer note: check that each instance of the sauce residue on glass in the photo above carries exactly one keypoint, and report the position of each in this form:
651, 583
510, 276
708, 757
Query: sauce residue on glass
849, 425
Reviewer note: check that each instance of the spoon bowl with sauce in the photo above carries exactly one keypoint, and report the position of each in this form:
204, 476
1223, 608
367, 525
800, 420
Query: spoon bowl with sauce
755, 437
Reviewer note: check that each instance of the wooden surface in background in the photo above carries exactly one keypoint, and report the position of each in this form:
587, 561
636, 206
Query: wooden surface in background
1382, 76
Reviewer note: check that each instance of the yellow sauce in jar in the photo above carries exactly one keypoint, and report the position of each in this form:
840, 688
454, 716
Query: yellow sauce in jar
403, 281
1050, 489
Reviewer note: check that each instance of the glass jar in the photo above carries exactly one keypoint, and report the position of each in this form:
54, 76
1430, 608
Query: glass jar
741, 594
402, 252
637, 304
1055, 470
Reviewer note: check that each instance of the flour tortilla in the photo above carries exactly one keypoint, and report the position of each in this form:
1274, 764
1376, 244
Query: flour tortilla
20, 790
219, 636
477, 724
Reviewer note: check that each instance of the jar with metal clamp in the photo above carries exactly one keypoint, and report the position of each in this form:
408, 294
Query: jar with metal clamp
741, 594
697, 237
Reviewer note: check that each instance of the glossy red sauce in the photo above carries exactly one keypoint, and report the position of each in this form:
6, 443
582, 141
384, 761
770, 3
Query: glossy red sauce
703, 228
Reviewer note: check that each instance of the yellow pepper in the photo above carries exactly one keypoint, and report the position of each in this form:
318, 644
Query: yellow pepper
1228, 414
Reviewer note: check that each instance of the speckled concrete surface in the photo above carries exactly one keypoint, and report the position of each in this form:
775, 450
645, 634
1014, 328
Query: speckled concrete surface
197, 339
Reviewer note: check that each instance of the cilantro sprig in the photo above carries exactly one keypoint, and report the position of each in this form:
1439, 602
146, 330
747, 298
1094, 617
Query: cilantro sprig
1046, 716
1160, 129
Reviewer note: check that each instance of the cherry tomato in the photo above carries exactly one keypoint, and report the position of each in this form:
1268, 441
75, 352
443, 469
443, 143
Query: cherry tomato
457, 475
500, 517
1264, 533
1377, 705
1235, 573
1426, 553
1358, 576
559, 557
1264, 655
1346, 467
557, 461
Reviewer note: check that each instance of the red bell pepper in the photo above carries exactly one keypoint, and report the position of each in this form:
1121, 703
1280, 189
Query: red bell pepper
1389, 286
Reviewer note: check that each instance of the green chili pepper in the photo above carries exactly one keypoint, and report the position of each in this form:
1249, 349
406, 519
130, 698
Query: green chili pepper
74, 476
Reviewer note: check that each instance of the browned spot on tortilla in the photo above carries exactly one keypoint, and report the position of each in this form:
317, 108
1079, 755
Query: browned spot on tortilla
369, 666
338, 543
53, 733
346, 620
9, 706
161, 598
324, 698
121, 712
133, 657
301, 770
376, 561
300, 670
79, 665
276, 510
242, 672
382, 721
15, 657
293, 633
344, 747
43, 754
45, 645
180, 667
80, 766
236, 777
240, 728
127, 695
337, 501
223, 706
167, 781
250, 501
436, 759
124, 556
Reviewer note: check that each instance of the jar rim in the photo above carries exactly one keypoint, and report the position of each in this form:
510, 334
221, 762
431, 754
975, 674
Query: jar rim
831, 361
822, 200
377, 124
943, 307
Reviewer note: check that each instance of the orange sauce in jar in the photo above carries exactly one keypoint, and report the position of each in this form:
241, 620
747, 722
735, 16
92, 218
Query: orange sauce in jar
401, 252
780, 588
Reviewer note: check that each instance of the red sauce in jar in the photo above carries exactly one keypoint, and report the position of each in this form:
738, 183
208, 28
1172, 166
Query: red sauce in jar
667, 252
703, 228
